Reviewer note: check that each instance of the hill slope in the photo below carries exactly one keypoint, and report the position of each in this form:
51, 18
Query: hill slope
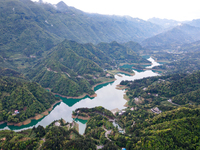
175, 37
32, 28
71, 69
26, 97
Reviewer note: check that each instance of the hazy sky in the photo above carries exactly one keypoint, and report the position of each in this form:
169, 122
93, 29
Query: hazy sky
180, 10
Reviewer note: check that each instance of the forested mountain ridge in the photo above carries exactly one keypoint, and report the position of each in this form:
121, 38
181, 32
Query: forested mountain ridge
191, 47
48, 25
36, 28
71, 69
11, 73
63, 71
173, 38
166, 23
120, 53
21, 29
28, 98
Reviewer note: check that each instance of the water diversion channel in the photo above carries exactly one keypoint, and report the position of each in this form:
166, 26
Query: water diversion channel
107, 96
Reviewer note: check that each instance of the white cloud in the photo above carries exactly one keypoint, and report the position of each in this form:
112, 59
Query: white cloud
144, 9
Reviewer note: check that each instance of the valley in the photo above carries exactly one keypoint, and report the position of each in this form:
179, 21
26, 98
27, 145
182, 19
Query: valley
76, 80
107, 96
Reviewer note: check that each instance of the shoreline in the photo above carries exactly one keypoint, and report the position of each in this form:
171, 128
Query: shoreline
121, 87
84, 94
126, 98
114, 72
81, 117
131, 74
134, 64
78, 97
103, 83
36, 117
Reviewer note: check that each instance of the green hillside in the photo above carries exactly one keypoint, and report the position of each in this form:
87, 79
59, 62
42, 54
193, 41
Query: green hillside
177, 129
68, 70
21, 31
120, 53
28, 98
171, 39
63, 136
31, 44
181, 88
71, 69
31, 28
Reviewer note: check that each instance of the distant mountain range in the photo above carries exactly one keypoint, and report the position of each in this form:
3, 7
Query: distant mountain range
165, 23
173, 38
67, 50
32, 28
191, 47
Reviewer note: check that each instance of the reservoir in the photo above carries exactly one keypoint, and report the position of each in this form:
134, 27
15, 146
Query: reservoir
107, 96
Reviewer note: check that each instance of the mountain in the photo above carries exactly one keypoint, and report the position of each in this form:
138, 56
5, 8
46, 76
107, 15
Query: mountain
28, 98
31, 28
63, 70
31, 43
11, 73
165, 23
22, 29
195, 22
120, 53
136, 47
191, 47
71, 69
175, 37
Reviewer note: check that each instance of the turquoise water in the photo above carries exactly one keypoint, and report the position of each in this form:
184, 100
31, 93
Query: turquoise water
162, 63
107, 96
82, 125
33, 123
146, 56
130, 67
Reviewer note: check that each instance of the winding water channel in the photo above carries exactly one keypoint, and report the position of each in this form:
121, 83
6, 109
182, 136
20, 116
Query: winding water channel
107, 96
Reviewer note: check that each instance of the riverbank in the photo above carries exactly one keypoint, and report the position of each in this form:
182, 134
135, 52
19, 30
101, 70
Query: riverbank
83, 95
122, 64
81, 117
121, 71
121, 87
103, 83
36, 117
126, 98
78, 97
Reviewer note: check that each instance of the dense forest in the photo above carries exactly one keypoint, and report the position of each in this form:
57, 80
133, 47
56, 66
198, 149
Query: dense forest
21, 99
58, 135
175, 129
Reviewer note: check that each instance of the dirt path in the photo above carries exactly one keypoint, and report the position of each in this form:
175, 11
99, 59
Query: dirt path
107, 133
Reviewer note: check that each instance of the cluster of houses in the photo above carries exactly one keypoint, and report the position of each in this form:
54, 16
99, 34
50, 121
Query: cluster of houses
121, 112
156, 110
